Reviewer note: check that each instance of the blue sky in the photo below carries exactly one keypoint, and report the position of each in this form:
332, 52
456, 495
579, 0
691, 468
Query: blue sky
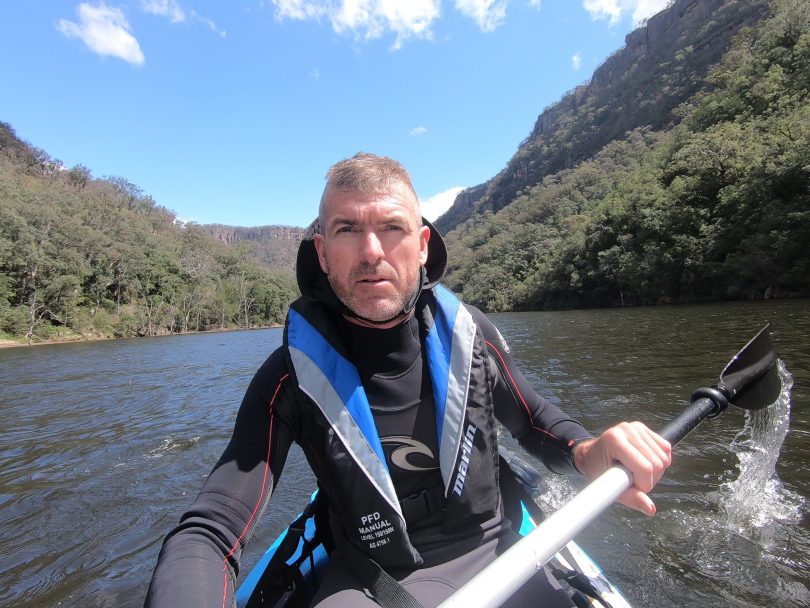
232, 111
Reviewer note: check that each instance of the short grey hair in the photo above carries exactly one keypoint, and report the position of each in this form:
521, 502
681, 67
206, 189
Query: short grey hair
365, 173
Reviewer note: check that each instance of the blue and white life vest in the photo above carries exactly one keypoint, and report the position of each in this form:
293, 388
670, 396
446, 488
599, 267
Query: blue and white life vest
341, 440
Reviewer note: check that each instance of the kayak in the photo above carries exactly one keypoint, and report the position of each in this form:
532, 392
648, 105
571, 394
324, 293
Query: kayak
287, 574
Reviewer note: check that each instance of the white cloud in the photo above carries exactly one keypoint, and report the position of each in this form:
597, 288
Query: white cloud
644, 9
173, 11
105, 31
488, 14
576, 61
367, 19
437, 204
209, 24
418, 131
370, 19
165, 8
299, 9
603, 9
612, 10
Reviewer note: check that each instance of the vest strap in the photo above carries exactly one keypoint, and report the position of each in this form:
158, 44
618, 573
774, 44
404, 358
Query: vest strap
422, 504
381, 586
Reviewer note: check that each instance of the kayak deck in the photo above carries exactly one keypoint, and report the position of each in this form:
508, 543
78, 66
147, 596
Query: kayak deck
279, 582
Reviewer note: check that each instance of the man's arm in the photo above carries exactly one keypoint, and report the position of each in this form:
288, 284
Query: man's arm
199, 561
541, 428
562, 443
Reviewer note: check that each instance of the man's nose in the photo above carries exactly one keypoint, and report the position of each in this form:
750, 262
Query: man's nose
372, 247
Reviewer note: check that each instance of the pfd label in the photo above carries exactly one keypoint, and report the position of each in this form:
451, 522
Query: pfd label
374, 530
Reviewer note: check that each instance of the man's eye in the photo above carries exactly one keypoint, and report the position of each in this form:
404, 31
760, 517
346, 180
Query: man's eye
393, 227
344, 229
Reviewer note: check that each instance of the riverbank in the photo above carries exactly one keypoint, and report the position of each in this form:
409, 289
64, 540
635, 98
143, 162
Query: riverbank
7, 342
10, 343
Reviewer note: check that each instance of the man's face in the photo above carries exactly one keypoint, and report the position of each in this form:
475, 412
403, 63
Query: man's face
372, 248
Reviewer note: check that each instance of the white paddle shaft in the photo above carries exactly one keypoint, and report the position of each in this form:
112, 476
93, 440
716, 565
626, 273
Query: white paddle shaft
499, 580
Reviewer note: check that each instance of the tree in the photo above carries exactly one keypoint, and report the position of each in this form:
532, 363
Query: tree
78, 176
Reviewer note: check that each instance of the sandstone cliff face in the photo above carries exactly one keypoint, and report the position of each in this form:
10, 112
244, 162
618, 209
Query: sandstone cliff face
272, 246
460, 210
661, 65
234, 234
663, 35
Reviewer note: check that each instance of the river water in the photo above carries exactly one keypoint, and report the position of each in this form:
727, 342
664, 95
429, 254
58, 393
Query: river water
104, 444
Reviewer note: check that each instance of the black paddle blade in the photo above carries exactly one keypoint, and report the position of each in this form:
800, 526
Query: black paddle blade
751, 378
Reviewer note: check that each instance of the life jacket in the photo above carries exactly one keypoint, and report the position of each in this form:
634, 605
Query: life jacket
341, 441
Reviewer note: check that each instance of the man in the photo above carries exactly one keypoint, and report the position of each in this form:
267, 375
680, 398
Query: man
391, 387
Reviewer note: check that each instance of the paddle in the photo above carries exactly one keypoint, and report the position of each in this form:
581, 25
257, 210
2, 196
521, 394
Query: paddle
750, 381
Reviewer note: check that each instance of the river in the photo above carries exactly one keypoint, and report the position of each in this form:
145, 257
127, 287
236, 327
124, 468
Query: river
104, 444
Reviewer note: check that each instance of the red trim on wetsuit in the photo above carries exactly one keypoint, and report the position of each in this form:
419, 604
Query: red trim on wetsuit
261, 495
517, 390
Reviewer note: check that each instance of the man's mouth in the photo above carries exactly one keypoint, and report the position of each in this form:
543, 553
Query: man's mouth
373, 280
371, 276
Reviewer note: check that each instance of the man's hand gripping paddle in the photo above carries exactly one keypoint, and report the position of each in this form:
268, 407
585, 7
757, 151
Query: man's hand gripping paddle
749, 381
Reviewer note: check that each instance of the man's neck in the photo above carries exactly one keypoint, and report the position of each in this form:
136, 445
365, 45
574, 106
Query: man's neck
398, 320
383, 351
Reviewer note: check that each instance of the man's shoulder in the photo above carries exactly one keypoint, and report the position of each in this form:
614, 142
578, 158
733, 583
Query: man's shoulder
274, 367
488, 329
271, 384
480, 318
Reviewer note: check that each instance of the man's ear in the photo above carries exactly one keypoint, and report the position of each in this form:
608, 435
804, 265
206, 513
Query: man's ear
424, 237
320, 248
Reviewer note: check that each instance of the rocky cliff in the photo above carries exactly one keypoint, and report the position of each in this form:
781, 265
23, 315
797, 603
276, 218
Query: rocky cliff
234, 234
272, 246
661, 65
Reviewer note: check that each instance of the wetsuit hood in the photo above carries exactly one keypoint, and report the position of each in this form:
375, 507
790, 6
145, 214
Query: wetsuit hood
313, 283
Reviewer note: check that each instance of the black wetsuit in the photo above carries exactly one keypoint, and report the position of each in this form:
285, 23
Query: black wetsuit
200, 557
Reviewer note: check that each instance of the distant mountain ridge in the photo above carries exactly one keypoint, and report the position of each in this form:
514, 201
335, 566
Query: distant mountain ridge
234, 234
662, 64
275, 246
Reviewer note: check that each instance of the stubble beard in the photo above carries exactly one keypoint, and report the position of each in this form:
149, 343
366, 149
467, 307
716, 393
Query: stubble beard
377, 310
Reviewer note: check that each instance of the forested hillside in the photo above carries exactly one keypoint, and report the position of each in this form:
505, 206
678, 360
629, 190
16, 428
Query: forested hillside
662, 64
714, 208
84, 257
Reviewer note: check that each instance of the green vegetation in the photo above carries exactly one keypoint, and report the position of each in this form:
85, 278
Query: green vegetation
717, 207
661, 66
83, 257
